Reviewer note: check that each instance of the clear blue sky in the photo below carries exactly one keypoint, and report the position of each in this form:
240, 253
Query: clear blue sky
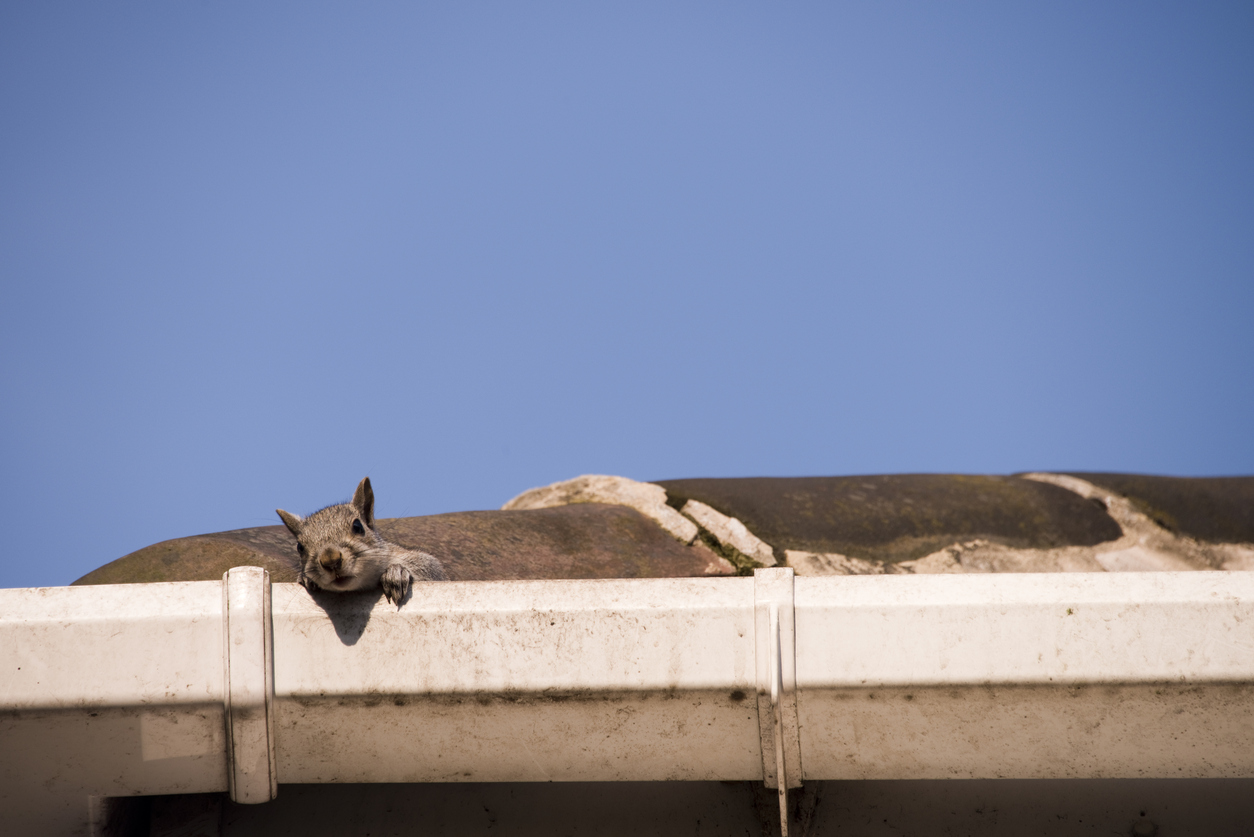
251, 255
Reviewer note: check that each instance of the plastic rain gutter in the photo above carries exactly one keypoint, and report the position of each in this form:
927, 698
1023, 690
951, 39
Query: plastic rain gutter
241, 685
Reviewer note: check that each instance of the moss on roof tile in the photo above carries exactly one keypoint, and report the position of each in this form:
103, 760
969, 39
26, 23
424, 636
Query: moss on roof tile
1216, 509
900, 517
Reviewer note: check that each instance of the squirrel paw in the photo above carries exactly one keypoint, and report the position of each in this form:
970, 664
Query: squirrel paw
396, 582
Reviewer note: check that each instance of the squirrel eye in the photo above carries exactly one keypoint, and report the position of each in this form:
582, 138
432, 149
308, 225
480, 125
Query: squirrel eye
300, 547
357, 528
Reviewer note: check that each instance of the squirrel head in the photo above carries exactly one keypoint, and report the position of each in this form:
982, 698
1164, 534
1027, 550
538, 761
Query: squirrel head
336, 544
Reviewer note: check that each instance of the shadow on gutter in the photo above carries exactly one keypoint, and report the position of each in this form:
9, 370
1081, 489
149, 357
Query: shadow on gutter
350, 612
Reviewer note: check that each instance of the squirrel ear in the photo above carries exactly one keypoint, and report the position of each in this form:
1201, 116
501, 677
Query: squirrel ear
291, 521
363, 501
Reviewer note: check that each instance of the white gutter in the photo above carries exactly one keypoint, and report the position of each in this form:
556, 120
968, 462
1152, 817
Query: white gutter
170, 688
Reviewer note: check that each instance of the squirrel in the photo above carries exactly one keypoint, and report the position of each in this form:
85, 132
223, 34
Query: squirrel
341, 550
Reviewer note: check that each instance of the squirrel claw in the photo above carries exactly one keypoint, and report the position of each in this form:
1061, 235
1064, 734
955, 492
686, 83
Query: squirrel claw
396, 582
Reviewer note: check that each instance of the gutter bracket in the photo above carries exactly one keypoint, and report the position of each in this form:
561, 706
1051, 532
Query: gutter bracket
248, 685
776, 658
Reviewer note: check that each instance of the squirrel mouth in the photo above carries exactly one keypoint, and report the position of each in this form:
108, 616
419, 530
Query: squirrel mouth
342, 580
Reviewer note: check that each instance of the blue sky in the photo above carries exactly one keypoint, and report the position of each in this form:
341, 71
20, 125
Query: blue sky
251, 253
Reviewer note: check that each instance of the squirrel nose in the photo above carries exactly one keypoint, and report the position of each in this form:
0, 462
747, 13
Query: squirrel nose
331, 560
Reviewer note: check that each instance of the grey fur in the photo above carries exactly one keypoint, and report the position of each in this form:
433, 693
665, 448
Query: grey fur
341, 550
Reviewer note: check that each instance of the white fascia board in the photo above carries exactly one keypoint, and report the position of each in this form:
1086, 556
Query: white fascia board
107, 691
598, 680
1027, 676
123, 645
118, 690
1025, 629
524, 637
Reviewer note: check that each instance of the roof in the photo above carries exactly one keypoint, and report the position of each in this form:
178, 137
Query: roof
613, 527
